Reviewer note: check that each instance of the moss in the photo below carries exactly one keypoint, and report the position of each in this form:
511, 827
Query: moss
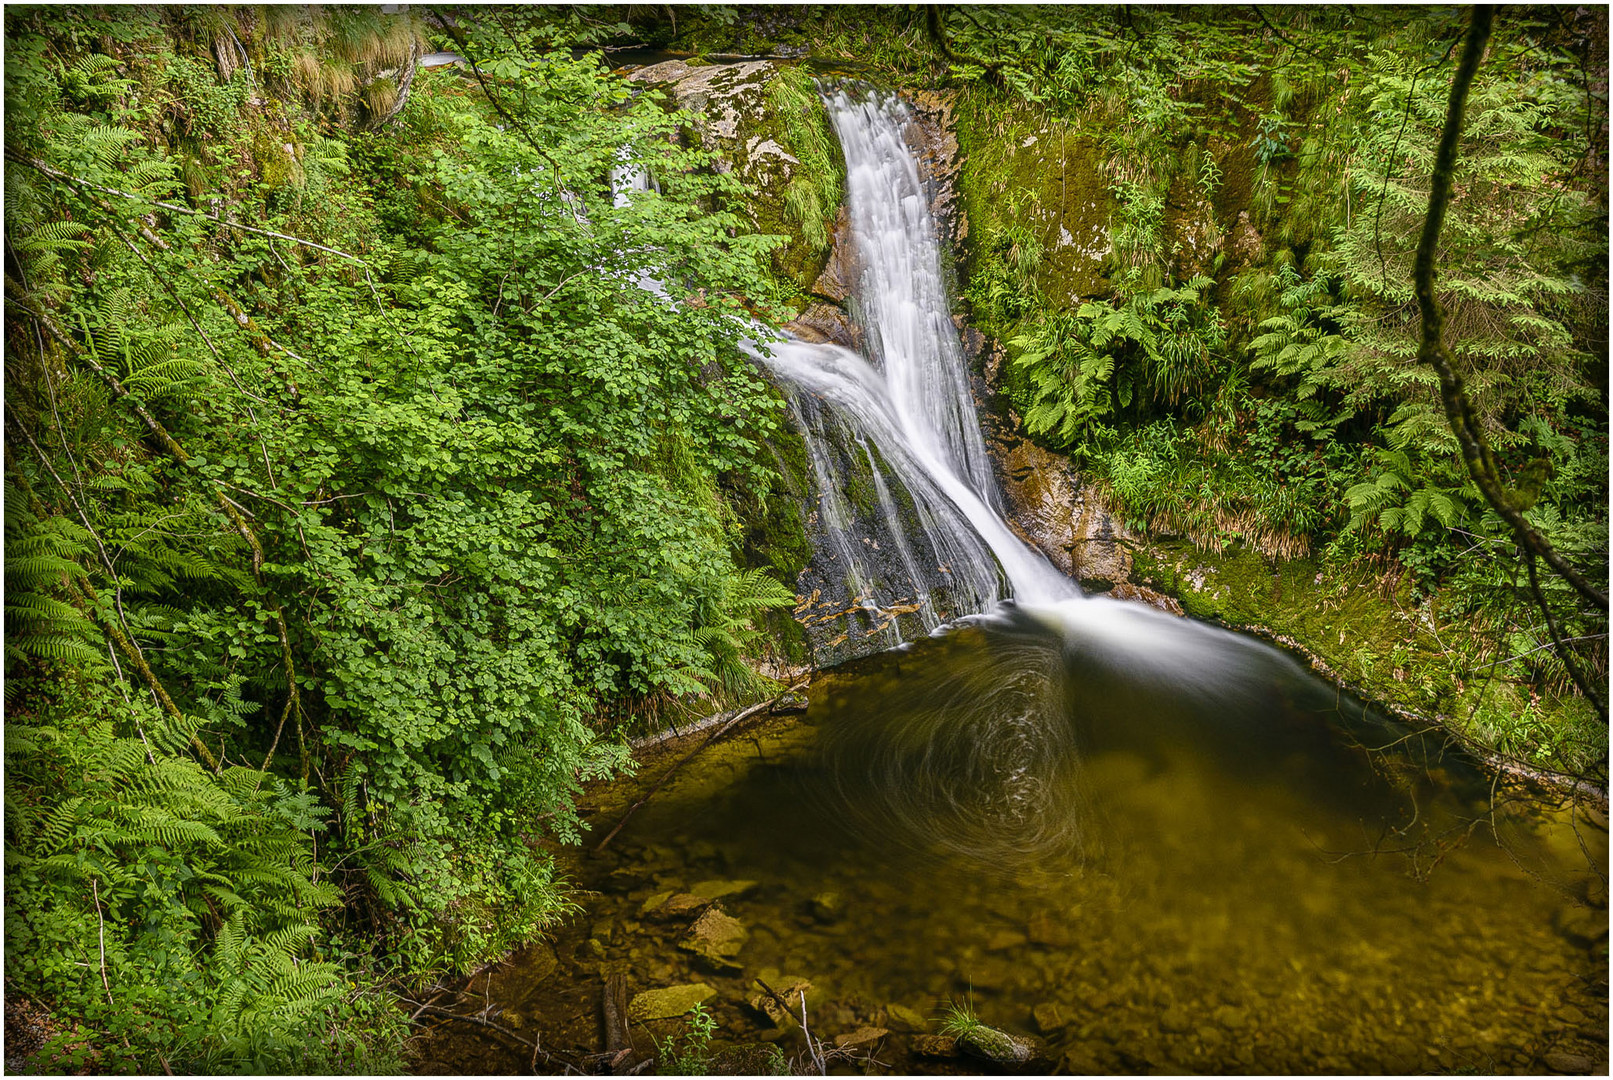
801, 204
1380, 646
277, 166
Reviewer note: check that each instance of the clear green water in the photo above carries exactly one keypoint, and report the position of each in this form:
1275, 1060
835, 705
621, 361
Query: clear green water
1180, 854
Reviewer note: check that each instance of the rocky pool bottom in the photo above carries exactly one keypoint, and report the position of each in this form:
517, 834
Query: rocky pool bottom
1177, 854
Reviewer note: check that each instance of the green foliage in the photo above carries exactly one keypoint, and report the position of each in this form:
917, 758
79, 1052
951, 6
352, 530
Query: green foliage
817, 186
125, 861
1147, 346
428, 510
692, 1056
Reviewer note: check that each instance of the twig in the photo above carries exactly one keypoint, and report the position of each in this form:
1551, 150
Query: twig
95, 890
500, 1028
743, 714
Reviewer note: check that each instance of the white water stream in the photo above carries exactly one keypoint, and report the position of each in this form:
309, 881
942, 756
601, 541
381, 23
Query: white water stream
909, 399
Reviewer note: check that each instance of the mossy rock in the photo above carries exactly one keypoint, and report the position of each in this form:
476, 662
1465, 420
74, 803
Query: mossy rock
668, 1002
998, 1047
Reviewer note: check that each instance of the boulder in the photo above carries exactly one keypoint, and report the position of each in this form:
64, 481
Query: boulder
667, 1002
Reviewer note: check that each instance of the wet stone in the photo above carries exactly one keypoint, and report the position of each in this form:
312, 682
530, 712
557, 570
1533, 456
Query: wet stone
864, 1038
902, 1018
668, 1001
1576, 1064
1049, 1018
934, 1046
716, 937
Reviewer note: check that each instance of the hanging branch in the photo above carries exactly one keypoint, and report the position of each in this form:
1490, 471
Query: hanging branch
1464, 424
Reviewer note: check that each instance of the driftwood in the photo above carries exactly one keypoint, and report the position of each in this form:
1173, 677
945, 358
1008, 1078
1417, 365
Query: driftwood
721, 729
613, 1006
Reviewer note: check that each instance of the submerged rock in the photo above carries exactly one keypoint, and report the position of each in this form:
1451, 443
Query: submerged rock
1051, 930
718, 888
864, 1038
934, 1046
826, 906
792, 989
1569, 1063
715, 937
903, 1018
1049, 1018
681, 904
667, 1002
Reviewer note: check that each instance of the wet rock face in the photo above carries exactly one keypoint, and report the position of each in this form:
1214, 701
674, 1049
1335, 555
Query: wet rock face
734, 115
842, 269
935, 144
821, 323
1062, 517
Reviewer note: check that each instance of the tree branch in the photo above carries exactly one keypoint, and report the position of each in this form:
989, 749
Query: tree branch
1459, 411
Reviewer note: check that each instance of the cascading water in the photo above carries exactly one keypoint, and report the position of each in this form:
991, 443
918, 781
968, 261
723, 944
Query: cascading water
909, 400
992, 750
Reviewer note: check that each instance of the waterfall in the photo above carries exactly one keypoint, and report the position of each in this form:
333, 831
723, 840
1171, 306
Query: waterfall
908, 401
